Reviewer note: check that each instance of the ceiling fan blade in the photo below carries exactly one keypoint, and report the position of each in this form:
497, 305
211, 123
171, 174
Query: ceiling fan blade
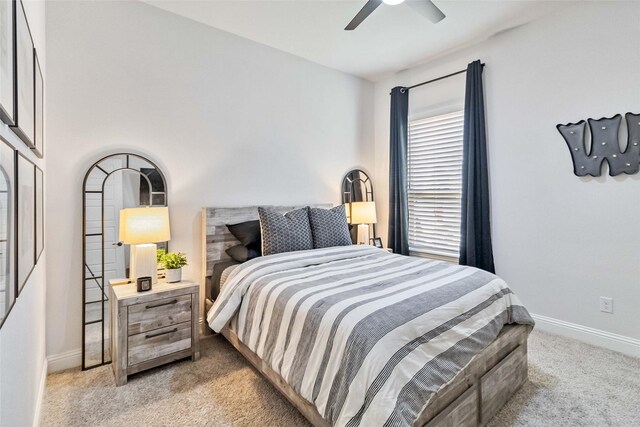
366, 10
427, 9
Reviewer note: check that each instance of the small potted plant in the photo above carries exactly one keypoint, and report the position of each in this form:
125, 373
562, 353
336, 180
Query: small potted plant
173, 263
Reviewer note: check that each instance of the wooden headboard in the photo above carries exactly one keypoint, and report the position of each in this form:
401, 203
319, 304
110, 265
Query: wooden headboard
216, 237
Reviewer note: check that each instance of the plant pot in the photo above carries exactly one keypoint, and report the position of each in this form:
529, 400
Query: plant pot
174, 275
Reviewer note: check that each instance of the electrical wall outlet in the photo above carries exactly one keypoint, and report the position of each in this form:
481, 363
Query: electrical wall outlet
606, 304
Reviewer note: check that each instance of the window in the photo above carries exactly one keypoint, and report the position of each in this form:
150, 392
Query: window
435, 185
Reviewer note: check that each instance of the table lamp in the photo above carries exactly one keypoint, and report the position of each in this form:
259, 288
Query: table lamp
142, 228
363, 214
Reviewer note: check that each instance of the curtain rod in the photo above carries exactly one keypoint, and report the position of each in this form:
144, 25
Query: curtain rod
437, 79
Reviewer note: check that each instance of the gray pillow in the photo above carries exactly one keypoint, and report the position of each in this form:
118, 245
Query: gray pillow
285, 233
242, 253
248, 232
329, 227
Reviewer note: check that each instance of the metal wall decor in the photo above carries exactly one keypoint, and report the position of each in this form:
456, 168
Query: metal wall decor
604, 145
115, 182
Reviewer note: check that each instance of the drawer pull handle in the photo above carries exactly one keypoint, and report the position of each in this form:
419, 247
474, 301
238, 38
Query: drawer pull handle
161, 333
175, 301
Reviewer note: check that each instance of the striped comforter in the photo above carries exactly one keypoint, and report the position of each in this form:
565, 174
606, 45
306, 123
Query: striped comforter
368, 337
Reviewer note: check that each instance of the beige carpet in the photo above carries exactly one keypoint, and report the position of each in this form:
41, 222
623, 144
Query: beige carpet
571, 384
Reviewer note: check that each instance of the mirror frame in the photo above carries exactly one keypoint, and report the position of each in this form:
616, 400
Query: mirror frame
100, 280
347, 183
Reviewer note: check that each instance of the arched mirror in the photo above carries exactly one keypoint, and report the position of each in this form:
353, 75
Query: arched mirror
357, 187
113, 183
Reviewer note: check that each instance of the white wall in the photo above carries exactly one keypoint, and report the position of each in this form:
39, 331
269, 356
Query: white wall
229, 121
22, 337
560, 241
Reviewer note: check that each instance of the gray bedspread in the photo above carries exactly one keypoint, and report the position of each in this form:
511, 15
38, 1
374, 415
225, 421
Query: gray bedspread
366, 336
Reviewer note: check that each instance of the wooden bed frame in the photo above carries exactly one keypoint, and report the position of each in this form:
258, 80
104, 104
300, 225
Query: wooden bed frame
472, 398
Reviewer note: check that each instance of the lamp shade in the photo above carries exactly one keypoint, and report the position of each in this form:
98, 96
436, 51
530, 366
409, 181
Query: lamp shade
144, 225
363, 213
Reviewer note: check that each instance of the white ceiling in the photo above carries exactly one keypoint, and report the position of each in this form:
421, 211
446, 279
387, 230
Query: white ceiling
391, 39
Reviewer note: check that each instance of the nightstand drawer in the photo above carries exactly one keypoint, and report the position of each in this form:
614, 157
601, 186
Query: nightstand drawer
160, 342
157, 314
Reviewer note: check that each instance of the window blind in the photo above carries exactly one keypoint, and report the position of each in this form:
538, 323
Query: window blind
435, 185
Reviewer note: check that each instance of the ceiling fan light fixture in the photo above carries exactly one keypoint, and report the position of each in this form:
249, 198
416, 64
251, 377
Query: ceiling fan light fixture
424, 7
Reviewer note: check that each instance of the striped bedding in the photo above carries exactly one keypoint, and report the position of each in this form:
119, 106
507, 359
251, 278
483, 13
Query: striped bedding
367, 336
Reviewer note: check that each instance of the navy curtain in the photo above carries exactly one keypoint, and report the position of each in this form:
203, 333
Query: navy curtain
475, 239
398, 204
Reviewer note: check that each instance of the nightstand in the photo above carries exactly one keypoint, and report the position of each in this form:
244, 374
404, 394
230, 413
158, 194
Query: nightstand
152, 328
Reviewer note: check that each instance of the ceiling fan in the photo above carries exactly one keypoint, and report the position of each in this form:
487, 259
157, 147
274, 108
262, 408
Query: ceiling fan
424, 7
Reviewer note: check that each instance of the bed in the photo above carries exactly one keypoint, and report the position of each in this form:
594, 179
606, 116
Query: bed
357, 336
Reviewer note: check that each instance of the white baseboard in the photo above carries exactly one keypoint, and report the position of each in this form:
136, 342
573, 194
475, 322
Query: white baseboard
40, 398
620, 343
62, 361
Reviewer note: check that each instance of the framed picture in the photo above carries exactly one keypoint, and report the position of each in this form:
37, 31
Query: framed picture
24, 90
39, 213
7, 230
26, 218
39, 108
7, 69
377, 242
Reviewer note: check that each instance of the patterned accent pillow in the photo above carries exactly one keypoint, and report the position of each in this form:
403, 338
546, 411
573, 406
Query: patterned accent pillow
285, 233
329, 227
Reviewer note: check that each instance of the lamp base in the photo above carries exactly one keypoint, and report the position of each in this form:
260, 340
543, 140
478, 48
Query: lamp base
363, 234
143, 262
